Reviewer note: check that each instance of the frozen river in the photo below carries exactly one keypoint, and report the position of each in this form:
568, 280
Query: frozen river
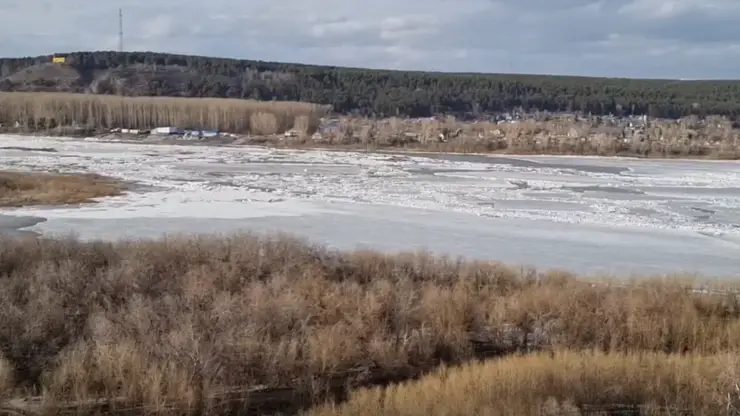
591, 215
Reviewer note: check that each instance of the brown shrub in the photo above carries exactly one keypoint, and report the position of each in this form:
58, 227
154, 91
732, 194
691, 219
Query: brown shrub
22, 188
44, 111
713, 138
177, 320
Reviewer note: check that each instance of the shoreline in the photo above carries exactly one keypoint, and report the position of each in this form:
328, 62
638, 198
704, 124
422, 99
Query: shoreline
278, 144
415, 151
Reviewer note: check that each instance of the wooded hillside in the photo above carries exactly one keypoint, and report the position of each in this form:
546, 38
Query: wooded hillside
364, 91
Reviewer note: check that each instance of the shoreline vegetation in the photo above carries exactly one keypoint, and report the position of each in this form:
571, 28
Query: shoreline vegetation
561, 383
252, 324
19, 189
84, 114
304, 125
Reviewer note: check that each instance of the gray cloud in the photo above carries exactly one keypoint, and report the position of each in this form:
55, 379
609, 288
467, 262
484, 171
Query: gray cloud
633, 38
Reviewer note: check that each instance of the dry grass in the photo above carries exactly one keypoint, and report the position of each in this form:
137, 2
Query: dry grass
47, 111
24, 188
713, 138
177, 321
561, 383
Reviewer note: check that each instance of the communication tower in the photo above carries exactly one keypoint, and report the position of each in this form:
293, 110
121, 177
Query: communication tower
120, 30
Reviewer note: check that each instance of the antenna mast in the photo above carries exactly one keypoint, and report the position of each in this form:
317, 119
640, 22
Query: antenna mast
120, 30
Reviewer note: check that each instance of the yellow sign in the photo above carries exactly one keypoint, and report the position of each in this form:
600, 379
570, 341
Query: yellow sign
58, 59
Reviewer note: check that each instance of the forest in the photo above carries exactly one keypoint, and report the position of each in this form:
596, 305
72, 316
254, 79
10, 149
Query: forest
367, 92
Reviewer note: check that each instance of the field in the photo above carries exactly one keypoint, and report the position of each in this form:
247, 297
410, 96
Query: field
24, 189
196, 323
67, 113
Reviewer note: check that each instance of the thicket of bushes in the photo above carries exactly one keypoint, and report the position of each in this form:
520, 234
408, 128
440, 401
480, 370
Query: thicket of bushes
177, 322
714, 137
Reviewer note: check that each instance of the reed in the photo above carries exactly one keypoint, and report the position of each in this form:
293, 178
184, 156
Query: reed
563, 383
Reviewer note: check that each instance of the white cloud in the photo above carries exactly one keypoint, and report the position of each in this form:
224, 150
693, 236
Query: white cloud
666, 9
639, 38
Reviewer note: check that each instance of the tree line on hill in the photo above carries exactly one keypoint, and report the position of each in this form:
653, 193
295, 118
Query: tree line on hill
385, 92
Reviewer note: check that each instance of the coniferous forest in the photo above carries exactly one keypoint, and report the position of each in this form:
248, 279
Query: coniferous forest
364, 91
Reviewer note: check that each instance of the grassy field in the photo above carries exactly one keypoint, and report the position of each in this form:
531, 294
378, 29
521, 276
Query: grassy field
59, 111
24, 188
196, 323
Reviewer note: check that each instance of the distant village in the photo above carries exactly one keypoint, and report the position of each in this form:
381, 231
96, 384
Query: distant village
542, 127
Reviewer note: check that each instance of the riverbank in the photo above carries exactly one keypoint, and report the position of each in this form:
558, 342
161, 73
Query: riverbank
283, 143
711, 139
209, 323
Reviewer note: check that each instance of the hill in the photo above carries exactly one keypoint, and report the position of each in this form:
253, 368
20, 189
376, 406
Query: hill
364, 91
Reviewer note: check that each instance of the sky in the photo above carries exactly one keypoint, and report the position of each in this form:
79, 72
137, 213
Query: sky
692, 39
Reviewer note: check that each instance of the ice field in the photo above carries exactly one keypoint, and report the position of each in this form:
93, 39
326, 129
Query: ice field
585, 214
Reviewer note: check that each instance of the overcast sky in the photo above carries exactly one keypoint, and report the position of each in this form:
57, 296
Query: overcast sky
633, 38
